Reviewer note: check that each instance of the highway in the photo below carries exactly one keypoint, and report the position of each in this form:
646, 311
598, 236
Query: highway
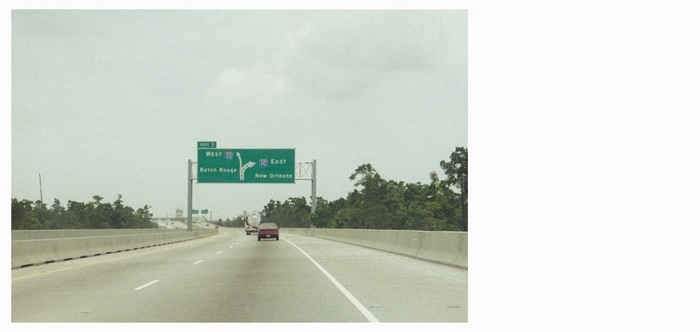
231, 277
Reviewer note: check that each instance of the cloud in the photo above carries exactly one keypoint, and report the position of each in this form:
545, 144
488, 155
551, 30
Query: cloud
258, 88
342, 55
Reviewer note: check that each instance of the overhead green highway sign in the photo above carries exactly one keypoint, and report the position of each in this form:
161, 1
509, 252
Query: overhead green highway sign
245, 165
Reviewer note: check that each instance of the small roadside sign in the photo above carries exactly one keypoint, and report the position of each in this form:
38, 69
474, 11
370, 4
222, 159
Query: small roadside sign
206, 145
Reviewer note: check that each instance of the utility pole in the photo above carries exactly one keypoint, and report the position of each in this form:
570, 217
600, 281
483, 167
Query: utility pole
41, 192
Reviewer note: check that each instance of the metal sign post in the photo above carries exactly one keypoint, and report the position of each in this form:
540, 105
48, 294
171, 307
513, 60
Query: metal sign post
313, 189
302, 173
189, 195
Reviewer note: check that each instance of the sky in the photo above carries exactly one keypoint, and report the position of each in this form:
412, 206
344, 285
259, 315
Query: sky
114, 102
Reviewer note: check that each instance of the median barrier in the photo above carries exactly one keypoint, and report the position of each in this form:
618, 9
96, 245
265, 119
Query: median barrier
448, 248
65, 245
72, 233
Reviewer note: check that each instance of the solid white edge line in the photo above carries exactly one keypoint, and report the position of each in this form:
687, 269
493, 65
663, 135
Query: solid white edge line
345, 292
146, 285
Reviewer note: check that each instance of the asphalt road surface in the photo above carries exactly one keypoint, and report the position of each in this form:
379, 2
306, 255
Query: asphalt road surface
231, 277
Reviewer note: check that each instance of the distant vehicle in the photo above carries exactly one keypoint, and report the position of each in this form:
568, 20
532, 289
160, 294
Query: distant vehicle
268, 230
251, 223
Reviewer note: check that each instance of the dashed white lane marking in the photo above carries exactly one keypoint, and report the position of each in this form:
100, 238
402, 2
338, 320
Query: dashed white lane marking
197, 262
342, 289
219, 252
146, 285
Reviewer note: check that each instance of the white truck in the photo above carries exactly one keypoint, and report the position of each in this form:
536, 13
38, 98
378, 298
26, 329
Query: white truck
251, 223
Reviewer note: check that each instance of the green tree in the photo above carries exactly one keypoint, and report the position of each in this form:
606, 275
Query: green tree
299, 212
100, 214
77, 215
386, 204
456, 172
59, 215
347, 218
323, 216
43, 215
415, 216
294, 212
236, 222
120, 216
373, 202
142, 218
23, 216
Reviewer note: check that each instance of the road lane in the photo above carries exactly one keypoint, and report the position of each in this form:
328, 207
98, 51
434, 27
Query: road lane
394, 288
232, 277
370, 317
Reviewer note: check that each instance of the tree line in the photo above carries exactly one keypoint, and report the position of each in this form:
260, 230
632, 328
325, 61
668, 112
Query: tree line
78, 215
377, 203
235, 222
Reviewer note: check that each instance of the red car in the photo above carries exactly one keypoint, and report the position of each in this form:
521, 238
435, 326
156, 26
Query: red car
268, 230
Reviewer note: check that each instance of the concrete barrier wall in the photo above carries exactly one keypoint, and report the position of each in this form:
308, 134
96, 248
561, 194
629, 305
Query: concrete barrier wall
448, 248
63, 233
67, 244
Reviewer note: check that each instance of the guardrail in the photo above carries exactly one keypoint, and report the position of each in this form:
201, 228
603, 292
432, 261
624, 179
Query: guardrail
40, 247
448, 248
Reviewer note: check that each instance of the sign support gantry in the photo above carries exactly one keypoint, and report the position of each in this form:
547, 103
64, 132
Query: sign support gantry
302, 173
